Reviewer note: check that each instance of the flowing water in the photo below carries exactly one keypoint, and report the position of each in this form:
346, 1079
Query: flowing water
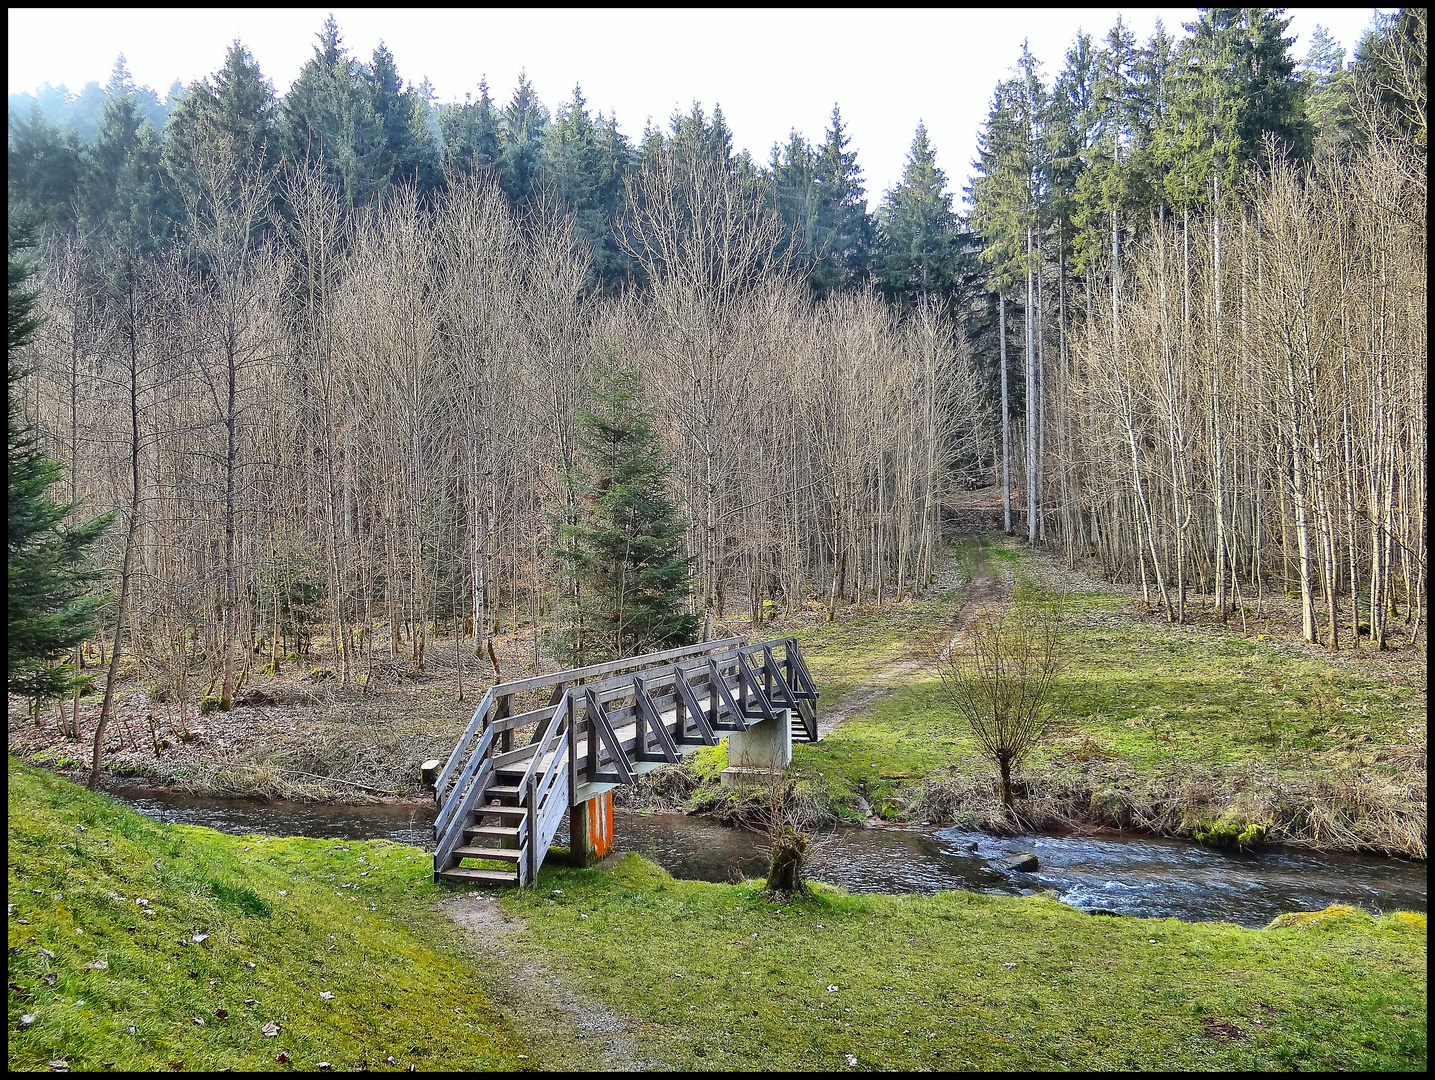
1122, 874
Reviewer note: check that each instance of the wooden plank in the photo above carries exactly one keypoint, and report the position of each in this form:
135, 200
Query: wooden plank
808, 690
705, 733
809, 718
469, 733
446, 812
598, 721
644, 705
522, 753
736, 722
476, 876
449, 837
571, 704
764, 707
773, 671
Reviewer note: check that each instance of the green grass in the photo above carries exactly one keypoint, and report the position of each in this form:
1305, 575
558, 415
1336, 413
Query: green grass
722, 977
313, 916
1177, 727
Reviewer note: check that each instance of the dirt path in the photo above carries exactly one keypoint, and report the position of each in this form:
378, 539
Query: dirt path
988, 589
582, 1033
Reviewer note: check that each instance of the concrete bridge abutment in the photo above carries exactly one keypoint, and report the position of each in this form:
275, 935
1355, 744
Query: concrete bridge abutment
762, 750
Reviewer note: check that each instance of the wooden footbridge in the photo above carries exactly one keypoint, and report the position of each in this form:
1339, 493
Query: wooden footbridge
604, 726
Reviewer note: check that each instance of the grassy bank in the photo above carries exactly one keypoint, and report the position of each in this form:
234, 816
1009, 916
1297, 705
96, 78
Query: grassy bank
109, 982
721, 977
1185, 730
716, 976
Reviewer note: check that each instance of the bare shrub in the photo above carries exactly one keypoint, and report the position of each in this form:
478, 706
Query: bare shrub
1000, 682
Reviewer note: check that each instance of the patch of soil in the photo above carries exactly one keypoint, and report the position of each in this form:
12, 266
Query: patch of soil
591, 1035
1222, 1029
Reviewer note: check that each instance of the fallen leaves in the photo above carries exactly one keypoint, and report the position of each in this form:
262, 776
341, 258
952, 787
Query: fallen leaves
270, 1029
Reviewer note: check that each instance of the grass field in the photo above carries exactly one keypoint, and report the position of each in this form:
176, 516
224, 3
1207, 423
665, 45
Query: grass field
1183, 730
706, 976
724, 977
109, 982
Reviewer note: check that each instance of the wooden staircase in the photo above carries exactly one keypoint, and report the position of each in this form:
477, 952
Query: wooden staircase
603, 726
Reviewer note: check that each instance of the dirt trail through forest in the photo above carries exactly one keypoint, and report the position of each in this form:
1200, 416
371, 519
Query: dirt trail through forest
987, 590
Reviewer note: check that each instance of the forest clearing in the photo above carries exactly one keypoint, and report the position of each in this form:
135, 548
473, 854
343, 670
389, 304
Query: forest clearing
1174, 730
366, 452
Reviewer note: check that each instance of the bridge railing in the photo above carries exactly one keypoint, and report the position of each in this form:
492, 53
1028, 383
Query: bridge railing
495, 721
664, 704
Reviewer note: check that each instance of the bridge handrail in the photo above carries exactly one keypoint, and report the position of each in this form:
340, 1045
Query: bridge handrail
559, 678
631, 663
474, 725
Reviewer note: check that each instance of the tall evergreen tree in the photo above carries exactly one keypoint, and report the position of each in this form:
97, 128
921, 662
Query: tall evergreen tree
470, 132
45, 165
329, 119
625, 575
1324, 75
917, 230
521, 159
844, 234
231, 119
408, 152
51, 609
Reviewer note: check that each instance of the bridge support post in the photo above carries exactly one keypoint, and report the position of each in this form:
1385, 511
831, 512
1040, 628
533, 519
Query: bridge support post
764, 748
590, 829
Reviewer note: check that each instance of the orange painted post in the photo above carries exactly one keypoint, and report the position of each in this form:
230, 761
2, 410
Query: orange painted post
590, 829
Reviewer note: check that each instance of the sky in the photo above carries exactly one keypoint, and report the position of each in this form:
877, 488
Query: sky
771, 70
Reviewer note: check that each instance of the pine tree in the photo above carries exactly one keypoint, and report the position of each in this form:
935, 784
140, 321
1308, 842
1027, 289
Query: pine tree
581, 173
470, 133
917, 230
229, 121
1323, 72
328, 119
625, 577
408, 152
843, 233
521, 158
51, 608
45, 165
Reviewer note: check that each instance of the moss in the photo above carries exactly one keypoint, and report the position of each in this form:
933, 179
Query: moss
730, 978
132, 982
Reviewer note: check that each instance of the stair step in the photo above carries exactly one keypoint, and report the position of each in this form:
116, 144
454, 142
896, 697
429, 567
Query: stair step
482, 877
491, 832
501, 854
501, 811
499, 791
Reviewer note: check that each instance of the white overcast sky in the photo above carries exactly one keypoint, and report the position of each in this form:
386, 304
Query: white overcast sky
771, 70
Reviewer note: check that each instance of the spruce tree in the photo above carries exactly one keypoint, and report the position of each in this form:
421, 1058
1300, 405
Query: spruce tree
51, 608
844, 231
917, 230
624, 575
470, 133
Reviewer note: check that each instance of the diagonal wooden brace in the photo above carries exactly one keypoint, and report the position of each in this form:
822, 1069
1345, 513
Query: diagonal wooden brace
600, 726
688, 699
648, 711
736, 722
754, 686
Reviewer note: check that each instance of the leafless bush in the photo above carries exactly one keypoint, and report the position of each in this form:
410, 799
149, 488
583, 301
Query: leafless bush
999, 683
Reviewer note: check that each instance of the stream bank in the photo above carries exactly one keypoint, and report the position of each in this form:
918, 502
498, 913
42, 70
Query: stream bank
1108, 873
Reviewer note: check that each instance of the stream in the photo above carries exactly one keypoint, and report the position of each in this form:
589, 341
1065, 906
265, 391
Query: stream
1111, 873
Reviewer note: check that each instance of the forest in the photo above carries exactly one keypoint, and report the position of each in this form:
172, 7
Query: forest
327, 356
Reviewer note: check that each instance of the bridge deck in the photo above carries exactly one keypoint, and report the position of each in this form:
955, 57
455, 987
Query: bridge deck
505, 801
